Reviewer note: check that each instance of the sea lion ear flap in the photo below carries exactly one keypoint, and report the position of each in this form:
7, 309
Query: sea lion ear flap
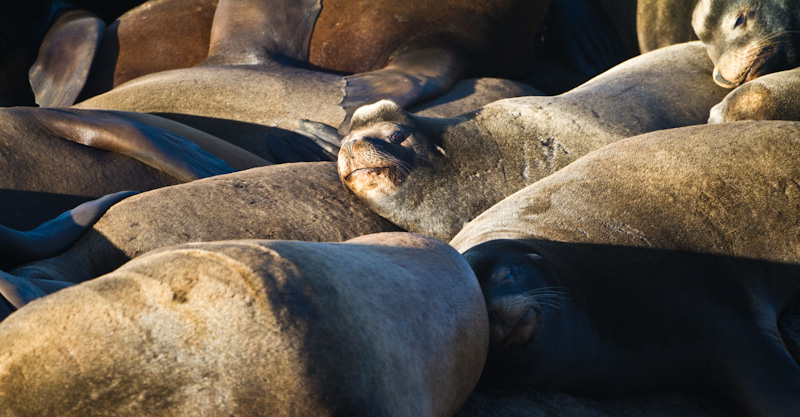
382, 111
65, 57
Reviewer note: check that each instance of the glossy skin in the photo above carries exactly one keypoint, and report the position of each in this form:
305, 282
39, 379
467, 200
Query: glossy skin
748, 38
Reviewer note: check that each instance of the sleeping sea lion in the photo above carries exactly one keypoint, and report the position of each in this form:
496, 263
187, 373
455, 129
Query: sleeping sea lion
748, 38
391, 324
300, 201
431, 176
658, 262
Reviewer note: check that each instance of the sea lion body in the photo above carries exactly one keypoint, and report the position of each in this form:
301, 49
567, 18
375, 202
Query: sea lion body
774, 96
389, 324
158, 35
420, 58
747, 39
435, 175
302, 201
658, 262
53, 164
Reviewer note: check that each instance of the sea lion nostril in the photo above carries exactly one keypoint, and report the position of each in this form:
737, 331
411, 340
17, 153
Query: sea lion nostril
720, 80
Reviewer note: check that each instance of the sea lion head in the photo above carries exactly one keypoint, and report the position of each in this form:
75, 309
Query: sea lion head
384, 149
517, 285
748, 38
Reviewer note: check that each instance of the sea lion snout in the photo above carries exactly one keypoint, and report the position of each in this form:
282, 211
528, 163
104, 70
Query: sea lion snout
512, 320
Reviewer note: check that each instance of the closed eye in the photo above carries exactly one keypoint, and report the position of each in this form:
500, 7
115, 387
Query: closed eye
740, 21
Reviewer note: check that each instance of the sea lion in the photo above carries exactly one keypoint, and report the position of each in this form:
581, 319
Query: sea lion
770, 97
73, 28
300, 201
658, 262
47, 168
661, 23
747, 39
431, 176
159, 35
305, 43
391, 324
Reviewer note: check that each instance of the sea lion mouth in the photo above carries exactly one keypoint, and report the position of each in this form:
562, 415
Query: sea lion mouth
759, 62
519, 333
365, 171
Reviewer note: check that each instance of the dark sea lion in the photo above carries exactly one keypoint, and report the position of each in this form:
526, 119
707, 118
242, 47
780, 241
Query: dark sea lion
658, 262
391, 324
431, 176
46, 240
302, 201
159, 35
23, 26
774, 96
49, 170
249, 63
747, 39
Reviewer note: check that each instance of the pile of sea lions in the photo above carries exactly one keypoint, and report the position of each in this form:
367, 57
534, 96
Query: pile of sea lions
366, 207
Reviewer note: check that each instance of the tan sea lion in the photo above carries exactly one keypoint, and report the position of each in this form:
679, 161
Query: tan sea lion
658, 262
774, 96
49, 170
301, 201
390, 324
431, 176
747, 39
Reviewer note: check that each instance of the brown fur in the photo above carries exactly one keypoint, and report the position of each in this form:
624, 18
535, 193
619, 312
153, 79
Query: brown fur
386, 324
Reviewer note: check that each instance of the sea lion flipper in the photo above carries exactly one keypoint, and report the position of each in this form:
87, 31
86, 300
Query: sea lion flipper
152, 145
65, 57
327, 137
18, 291
56, 235
413, 75
255, 31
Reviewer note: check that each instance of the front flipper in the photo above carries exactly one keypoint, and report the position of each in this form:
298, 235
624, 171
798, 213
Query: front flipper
414, 75
16, 291
56, 235
324, 136
65, 56
151, 145
256, 31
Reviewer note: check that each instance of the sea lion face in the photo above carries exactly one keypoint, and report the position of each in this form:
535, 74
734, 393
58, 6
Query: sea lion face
748, 38
514, 281
383, 150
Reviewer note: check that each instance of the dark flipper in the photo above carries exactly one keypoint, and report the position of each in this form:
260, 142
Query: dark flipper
413, 75
65, 56
56, 235
16, 291
256, 31
151, 145
326, 137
